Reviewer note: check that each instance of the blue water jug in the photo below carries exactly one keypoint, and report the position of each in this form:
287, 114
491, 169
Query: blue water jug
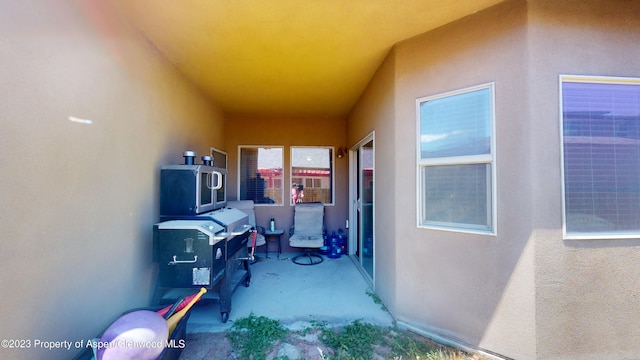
342, 237
324, 249
334, 247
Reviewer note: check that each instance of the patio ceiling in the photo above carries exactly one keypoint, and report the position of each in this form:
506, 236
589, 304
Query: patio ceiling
305, 58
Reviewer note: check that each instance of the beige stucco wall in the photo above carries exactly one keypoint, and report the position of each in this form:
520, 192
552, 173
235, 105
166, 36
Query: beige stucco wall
477, 289
286, 132
587, 291
375, 113
79, 200
523, 293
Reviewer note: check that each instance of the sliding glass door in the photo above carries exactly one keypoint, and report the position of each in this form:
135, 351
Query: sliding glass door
362, 197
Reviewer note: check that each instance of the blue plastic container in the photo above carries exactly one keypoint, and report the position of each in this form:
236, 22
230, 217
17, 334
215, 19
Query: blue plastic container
342, 236
324, 250
335, 250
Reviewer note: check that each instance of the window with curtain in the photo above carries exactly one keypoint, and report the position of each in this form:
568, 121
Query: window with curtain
601, 156
261, 175
455, 160
311, 174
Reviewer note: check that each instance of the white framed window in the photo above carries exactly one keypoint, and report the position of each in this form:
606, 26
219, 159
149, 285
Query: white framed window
219, 158
312, 174
260, 174
600, 130
456, 160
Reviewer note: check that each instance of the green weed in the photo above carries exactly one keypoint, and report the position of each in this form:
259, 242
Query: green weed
406, 345
376, 299
253, 336
354, 341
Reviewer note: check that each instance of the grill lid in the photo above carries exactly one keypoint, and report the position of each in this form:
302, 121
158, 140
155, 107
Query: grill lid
211, 229
234, 220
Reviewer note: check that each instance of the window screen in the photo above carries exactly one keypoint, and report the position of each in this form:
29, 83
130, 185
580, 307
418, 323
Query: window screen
219, 158
455, 160
261, 174
311, 174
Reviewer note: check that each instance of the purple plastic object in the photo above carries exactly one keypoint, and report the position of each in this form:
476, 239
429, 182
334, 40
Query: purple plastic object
140, 334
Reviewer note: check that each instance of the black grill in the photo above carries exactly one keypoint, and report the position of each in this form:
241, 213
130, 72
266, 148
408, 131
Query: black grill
194, 248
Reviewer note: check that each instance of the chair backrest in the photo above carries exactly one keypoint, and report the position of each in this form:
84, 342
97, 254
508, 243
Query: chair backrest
247, 207
308, 219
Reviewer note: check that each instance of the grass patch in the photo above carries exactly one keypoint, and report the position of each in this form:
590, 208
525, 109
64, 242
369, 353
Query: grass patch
407, 345
254, 336
354, 341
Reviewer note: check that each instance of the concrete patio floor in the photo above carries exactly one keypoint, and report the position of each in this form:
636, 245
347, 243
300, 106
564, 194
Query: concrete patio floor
334, 292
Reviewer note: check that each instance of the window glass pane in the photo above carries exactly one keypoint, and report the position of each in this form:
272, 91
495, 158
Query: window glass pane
261, 174
311, 174
601, 143
456, 125
219, 158
220, 161
455, 160
457, 195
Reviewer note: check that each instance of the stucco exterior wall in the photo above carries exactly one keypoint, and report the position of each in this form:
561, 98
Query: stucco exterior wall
524, 293
288, 132
477, 289
586, 290
375, 111
79, 199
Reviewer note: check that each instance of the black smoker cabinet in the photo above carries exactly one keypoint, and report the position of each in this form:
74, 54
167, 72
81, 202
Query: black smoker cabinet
198, 242
199, 253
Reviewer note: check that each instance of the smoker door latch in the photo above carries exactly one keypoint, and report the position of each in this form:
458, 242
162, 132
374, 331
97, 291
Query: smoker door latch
245, 228
176, 261
218, 237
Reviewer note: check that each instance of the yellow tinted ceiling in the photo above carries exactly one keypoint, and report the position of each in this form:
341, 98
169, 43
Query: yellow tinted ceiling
286, 57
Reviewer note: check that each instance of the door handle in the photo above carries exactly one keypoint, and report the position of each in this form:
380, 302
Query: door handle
176, 261
218, 181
